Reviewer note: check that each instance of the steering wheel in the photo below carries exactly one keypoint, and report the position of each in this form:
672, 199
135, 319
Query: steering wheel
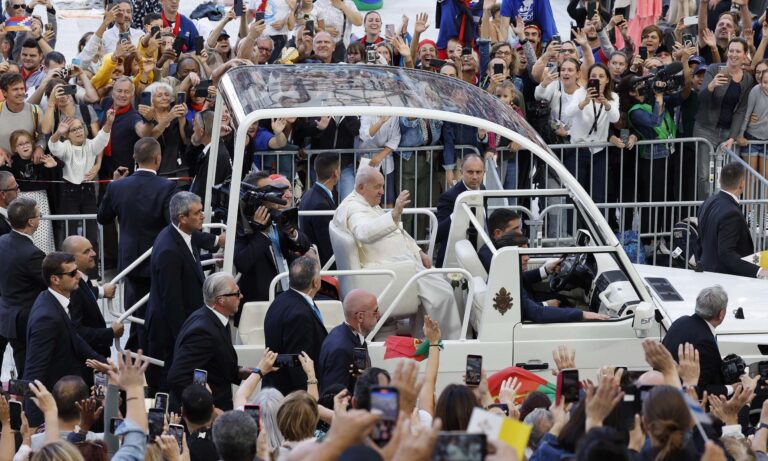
560, 280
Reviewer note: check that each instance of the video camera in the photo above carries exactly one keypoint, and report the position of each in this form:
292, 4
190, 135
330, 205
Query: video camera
665, 80
251, 198
733, 367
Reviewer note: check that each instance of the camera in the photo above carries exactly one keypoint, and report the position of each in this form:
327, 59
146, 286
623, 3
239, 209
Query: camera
665, 80
733, 367
251, 198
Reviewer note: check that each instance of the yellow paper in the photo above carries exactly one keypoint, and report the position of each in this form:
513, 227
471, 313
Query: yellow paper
515, 434
764, 259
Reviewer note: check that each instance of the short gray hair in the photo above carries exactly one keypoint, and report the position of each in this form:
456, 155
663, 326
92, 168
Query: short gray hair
711, 301
269, 400
541, 421
302, 271
5, 178
216, 285
160, 86
234, 434
206, 118
180, 205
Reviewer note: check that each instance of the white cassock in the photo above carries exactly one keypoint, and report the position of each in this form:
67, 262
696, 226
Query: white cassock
382, 241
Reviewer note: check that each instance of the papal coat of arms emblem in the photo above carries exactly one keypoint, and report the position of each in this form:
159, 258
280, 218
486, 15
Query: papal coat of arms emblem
502, 302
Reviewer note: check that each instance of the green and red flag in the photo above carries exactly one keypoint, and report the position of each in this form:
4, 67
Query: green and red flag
530, 382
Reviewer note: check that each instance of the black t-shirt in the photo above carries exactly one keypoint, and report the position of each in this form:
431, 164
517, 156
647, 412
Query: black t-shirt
201, 447
728, 105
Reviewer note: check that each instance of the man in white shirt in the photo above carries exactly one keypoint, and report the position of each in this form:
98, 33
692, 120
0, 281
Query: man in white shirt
122, 29
382, 241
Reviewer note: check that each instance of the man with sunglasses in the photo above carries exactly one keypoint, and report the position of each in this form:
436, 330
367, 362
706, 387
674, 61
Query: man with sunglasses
55, 348
205, 342
20, 280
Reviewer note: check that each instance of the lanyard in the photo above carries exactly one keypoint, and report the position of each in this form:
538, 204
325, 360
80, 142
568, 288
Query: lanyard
597, 113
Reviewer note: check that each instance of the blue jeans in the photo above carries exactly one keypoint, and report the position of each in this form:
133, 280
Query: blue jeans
590, 170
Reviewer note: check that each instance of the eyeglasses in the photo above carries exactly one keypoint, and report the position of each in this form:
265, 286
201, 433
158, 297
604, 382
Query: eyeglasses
366, 312
71, 273
18, 6
12, 189
237, 294
76, 129
265, 49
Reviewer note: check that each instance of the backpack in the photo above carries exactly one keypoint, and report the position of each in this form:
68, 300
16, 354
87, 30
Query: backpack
685, 239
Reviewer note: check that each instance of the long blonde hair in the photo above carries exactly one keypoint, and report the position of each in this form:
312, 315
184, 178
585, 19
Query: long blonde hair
59, 450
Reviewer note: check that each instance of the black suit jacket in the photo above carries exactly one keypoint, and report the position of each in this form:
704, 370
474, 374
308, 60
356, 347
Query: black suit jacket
140, 204
205, 343
316, 227
336, 356
291, 327
223, 170
255, 261
724, 237
176, 290
694, 329
89, 323
54, 349
21, 280
445, 206
5, 225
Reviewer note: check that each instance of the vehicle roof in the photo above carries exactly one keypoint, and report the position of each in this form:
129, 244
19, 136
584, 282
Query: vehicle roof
250, 88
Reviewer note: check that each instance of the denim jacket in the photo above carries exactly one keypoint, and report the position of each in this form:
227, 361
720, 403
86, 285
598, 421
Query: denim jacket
412, 135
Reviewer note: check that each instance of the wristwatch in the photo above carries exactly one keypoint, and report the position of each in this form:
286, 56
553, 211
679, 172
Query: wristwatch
258, 372
762, 425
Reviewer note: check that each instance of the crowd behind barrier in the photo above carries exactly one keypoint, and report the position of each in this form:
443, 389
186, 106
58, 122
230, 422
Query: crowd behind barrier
104, 169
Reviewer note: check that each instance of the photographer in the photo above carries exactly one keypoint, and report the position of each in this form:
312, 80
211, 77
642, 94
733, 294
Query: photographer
267, 245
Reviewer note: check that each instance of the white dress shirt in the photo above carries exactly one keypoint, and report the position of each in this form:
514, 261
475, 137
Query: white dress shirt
187, 238
111, 37
63, 300
222, 318
145, 169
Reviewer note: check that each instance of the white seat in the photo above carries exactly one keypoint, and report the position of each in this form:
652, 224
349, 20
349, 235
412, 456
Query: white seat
345, 249
476, 317
469, 260
251, 328
332, 312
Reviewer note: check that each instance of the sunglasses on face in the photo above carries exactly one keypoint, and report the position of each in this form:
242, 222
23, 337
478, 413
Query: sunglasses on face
71, 273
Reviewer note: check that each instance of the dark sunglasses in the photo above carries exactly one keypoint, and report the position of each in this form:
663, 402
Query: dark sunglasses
237, 293
71, 274
18, 6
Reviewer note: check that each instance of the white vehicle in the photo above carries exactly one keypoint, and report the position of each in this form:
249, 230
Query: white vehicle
596, 274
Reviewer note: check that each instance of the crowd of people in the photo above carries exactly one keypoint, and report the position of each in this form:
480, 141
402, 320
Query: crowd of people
124, 129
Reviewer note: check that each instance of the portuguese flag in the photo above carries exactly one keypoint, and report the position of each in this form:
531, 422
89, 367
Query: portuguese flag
530, 382
406, 347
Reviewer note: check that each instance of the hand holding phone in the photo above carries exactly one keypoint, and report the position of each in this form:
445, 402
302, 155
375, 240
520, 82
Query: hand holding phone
385, 400
177, 431
474, 370
567, 386
200, 377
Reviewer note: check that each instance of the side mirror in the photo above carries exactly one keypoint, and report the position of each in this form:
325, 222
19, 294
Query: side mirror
644, 318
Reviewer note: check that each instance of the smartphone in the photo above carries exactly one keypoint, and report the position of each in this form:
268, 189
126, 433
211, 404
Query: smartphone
19, 387
178, 45
436, 63
154, 30
146, 98
723, 71
501, 406
161, 401
567, 386
624, 135
201, 90
687, 39
114, 423
466, 51
389, 30
552, 67
386, 400
177, 431
124, 37
181, 98
200, 377
555, 39
309, 27
259, 16
498, 68
15, 410
76, 62
643, 52
287, 360
473, 370
371, 56
100, 385
626, 409
156, 419
254, 412
238, 7
591, 9
49, 27
692, 20
624, 12
459, 446
594, 84
199, 44
360, 358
